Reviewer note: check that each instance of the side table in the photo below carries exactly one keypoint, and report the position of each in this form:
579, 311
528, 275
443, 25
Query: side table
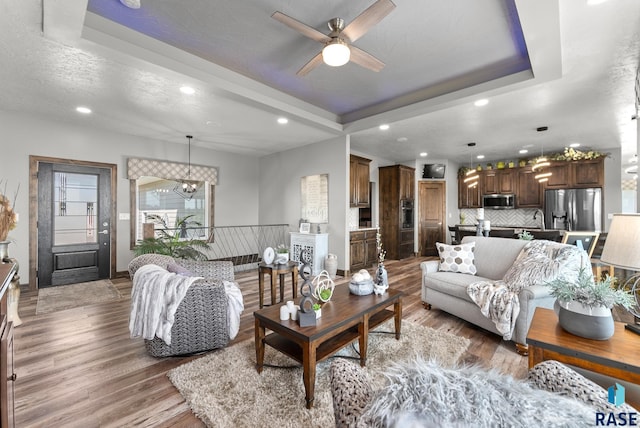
277, 270
618, 357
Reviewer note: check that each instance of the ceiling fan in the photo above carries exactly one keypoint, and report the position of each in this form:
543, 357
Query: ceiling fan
338, 48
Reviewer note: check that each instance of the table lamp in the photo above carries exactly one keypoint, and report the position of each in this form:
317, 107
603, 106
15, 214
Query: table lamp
622, 250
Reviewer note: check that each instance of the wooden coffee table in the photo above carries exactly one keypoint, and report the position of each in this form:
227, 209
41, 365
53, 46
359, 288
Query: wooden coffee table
617, 357
345, 318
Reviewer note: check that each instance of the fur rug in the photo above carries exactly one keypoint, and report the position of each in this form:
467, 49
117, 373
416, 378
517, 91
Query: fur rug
224, 389
421, 393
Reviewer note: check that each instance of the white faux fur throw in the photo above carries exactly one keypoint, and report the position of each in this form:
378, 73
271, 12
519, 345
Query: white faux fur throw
539, 262
235, 306
155, 297
424, 394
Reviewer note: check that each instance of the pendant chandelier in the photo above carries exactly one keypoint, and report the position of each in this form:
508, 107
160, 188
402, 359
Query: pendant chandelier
187, 187
471, 177
541, 163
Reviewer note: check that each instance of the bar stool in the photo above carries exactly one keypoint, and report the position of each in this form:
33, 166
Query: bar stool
277, 270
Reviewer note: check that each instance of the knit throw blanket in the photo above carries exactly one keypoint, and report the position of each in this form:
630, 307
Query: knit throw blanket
539, 262
155, 297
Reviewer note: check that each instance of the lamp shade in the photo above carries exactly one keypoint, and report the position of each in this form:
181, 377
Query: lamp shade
622, 247
336, 53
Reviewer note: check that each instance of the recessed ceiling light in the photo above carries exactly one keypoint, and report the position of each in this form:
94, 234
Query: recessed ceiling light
482, 102
283, 120
384, 127
574, 145
423, 154
83, 110
480, 157
187, 90
523, 151
402, 139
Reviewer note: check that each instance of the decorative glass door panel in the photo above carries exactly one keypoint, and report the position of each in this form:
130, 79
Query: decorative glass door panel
75, 208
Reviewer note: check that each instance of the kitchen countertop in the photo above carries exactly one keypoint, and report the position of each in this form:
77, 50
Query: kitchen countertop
360, 229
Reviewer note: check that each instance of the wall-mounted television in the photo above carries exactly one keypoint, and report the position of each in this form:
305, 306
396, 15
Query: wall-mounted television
433, 170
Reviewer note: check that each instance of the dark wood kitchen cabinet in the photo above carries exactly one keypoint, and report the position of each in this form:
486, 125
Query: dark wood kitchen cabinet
359, 182
397, 184
468, 197
528, 190
576, 174
363, 251
498, 181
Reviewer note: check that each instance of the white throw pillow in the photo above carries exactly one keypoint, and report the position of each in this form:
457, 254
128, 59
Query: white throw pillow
457, 258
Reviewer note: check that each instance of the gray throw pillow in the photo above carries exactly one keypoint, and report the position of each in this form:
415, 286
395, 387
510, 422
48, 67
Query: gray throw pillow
177, 269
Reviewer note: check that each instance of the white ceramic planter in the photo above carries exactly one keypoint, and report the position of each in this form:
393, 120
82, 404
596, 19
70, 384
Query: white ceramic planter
591, 323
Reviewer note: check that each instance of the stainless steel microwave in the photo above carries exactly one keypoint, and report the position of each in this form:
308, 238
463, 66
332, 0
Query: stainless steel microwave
499, 202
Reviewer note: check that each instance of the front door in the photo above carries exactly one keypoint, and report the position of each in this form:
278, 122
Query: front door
74, 223
432, 208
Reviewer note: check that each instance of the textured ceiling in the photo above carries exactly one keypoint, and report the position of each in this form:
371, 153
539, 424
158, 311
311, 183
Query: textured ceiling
563, 64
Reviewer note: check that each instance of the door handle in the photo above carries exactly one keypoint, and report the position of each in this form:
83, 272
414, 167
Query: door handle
104, 232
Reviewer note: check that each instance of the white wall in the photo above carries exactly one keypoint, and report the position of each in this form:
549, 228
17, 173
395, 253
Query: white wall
612, 192
236, 194
279, 188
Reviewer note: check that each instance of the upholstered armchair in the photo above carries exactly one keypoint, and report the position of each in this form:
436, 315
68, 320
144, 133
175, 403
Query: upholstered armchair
201, 319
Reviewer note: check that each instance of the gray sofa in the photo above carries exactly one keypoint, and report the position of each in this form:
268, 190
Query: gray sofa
493, 258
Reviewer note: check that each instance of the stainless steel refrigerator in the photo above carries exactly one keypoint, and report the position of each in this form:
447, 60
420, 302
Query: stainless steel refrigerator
573, 209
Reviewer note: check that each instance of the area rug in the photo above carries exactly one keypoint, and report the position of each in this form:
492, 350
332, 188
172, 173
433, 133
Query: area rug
52, 299
224, 389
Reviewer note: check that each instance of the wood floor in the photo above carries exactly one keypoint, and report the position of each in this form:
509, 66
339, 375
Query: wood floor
80, 368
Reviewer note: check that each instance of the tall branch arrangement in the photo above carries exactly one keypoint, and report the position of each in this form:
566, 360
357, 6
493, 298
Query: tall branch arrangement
8, 217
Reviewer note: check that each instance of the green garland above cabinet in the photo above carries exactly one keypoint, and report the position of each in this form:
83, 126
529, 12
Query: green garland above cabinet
521, 182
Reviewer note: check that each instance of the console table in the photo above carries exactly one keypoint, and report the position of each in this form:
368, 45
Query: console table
7, 271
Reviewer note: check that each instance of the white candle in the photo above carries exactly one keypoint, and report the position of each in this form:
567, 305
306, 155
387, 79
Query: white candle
284, 313
487, 225
294, 312
480, 213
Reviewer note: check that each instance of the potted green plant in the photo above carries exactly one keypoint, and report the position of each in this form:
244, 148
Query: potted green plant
525, 236
584, 305
282, 254
317, 308
172, 242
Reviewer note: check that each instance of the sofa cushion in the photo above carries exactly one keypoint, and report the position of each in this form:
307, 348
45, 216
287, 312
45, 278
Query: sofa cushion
494, 256
451, 283
457, 258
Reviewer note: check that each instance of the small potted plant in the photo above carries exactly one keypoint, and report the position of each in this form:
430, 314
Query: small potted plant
525, 236
584, 305
317, 308
282, 254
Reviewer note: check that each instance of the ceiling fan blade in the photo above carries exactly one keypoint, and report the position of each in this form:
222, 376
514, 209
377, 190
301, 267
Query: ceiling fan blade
367, 19
313, 63
300, 27
365, 59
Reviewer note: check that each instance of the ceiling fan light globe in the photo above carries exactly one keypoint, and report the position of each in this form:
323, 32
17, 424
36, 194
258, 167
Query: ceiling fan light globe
336, 53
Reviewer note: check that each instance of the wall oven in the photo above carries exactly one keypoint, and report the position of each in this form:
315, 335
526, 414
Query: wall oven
406, 213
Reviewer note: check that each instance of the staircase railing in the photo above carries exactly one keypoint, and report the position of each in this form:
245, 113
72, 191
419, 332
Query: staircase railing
243, 245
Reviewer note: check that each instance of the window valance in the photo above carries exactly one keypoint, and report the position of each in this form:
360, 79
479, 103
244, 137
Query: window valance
137, 168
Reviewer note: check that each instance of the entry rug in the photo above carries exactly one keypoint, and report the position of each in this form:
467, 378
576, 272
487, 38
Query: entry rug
224, 389
52, 299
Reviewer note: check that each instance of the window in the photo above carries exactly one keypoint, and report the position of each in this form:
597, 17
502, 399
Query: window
156, 202
152, 197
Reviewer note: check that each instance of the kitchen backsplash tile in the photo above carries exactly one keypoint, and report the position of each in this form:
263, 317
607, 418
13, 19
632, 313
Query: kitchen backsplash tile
522, 217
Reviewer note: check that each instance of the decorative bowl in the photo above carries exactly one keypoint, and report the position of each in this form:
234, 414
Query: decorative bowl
361, 288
